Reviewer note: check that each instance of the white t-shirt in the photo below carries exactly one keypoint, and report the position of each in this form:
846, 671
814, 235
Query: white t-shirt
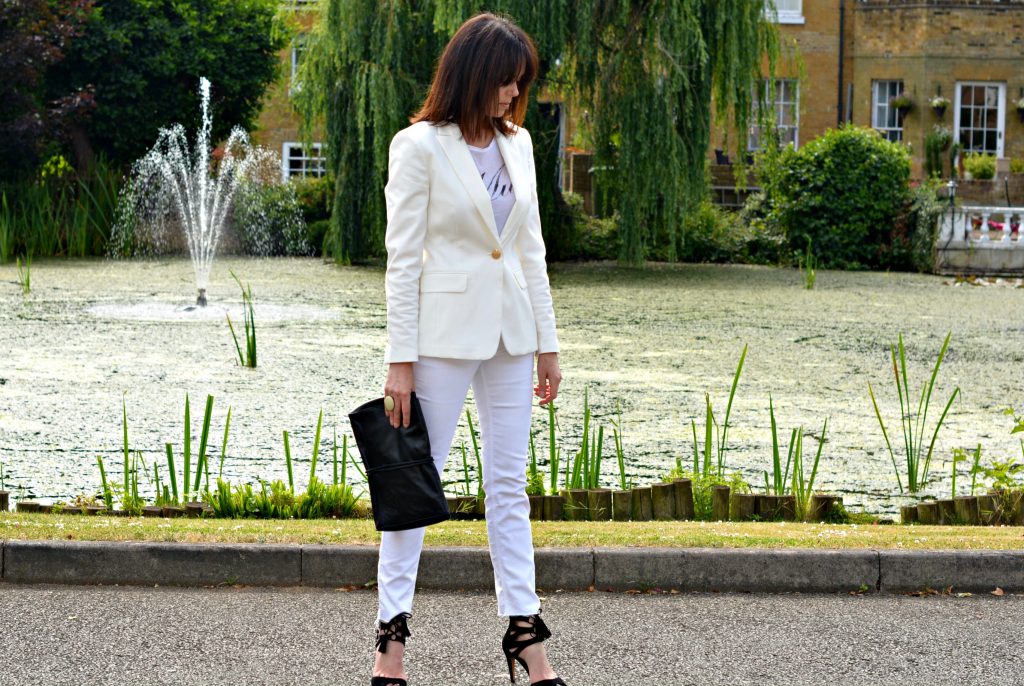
496, 180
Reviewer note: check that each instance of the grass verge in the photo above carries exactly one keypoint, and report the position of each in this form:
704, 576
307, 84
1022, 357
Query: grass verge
545, 534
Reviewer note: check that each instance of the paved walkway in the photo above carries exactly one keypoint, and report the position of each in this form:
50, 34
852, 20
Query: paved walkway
142, 635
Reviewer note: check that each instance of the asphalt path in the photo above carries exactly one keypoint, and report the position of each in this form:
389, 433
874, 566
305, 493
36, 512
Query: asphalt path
141, 635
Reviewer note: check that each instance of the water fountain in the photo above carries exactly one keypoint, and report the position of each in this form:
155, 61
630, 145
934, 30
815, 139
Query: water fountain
172, 187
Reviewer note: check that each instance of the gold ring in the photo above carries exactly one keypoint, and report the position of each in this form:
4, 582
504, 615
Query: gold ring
389, 403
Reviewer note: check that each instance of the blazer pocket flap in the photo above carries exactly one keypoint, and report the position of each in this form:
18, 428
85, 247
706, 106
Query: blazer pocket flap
520, 277
443, 282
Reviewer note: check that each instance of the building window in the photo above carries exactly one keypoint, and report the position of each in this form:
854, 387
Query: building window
297, 162
885, 119
980, 117
785, 111
787, 12
298, 47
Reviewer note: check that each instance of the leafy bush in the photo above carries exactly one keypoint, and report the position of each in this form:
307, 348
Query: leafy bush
268, 220
1017, 165
597, 237
915, 232
980, 165
843, 190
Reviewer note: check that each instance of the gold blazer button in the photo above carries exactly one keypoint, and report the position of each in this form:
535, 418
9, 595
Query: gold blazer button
496, 254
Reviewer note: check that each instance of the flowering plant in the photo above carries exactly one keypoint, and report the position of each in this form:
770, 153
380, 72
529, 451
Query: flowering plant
1020, 104
940, 102
901, 102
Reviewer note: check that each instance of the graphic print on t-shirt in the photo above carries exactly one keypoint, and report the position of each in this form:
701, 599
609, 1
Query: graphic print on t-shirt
495, 177
497, 186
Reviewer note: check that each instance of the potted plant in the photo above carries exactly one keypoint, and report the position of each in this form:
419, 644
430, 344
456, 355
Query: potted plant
901, 103
939, 105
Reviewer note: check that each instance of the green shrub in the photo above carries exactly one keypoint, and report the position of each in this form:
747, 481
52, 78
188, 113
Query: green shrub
915, 232
843, 190
979, 165
597, 237
268, 220
315, 196
1017, 165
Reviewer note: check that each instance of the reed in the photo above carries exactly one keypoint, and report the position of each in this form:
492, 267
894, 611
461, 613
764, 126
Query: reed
248, 359
288, 463
224, 444
465, 468
316, 447
554, 451
801, 487
187, 457
620, 456
808, 264
108, 497
7, 220
476, 455
913, 424
201, 464
715, 433
25, 273
169, 450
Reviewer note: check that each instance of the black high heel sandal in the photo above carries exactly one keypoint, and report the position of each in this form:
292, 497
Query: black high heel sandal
395, 630
512, 646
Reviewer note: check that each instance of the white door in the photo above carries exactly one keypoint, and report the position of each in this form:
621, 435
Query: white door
979, 116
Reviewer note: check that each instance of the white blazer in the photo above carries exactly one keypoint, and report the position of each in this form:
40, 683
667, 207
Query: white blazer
453, 285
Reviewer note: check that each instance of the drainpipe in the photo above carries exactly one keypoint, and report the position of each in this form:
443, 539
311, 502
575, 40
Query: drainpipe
839, 90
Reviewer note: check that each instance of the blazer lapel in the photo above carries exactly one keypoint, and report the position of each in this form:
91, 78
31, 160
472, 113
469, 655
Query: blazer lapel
454, 146
520, 186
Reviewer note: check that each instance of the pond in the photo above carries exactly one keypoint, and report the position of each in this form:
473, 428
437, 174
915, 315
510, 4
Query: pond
655, 340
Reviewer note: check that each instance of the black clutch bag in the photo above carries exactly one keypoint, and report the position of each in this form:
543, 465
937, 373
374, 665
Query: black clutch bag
405, 489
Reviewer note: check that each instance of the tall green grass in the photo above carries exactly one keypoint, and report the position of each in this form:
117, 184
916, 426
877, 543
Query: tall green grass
61, 214
25, 273
716, 437
248, 359
7, 220
620, 455
808, 264
912, 424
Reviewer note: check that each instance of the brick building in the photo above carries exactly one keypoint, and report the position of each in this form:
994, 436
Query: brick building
844, 60
277, 127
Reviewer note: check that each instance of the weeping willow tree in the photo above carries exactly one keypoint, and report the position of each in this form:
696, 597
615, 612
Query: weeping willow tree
647, 71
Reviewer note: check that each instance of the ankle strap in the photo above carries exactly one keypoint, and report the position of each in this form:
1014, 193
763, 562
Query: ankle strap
394, 630
537, 628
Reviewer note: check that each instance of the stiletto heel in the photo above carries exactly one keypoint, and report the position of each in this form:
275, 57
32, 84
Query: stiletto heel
512, 646
395, 630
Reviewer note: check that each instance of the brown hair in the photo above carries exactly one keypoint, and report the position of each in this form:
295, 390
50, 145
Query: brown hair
487, 52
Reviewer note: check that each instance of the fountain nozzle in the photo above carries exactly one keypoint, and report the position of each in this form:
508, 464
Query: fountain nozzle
201, 299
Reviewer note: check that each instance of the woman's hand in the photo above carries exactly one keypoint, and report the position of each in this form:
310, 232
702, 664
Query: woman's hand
399, 386
548, 377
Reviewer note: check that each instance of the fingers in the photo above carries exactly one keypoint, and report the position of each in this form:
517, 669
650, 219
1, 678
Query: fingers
399, 386
406, 410
549, 377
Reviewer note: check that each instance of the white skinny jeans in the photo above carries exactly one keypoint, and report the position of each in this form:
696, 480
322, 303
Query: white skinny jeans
503, 388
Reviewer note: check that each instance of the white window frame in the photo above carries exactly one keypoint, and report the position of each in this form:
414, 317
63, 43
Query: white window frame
789, 15
317, 169
1000, 114
755, 129
877, 122
298, 45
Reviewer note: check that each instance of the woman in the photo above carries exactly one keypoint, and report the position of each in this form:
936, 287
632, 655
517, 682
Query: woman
469, 305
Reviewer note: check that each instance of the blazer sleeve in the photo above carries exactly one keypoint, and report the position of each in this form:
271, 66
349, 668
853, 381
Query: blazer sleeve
406, 196
530, 244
